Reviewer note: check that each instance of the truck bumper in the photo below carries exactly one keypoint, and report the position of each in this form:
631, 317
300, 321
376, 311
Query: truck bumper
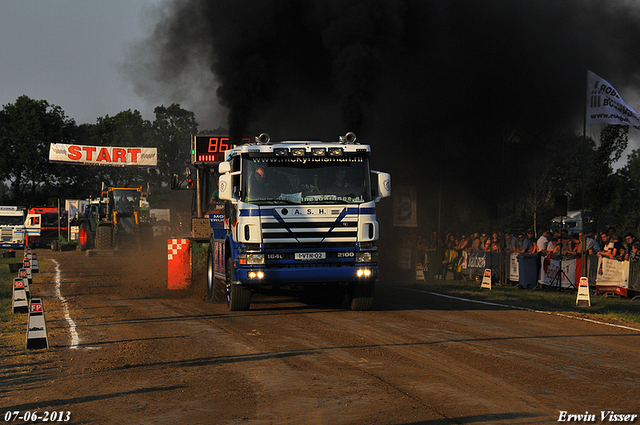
307, 275
12, 245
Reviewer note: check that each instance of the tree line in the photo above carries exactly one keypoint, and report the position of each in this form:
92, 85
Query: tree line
527, 175
29, 126
517, 185
581, 171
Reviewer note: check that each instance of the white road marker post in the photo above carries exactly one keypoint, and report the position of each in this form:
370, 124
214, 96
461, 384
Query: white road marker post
486, 280
583, 299
36, 327
20, 304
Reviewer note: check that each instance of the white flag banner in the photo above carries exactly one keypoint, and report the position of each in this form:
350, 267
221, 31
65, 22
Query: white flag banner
103, 155
605, 106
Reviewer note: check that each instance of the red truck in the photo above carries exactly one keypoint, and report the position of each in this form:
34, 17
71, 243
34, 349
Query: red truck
44, 224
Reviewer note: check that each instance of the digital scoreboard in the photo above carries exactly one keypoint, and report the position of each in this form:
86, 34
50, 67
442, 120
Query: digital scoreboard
209, 148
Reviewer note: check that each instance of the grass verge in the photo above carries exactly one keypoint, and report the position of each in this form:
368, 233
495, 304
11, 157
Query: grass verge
12, 331
13, 326
610, 309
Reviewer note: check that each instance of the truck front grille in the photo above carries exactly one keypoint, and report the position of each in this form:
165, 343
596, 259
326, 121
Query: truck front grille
309, 231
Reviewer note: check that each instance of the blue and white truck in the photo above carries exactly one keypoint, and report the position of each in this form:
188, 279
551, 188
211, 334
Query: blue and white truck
293, 215
12, 227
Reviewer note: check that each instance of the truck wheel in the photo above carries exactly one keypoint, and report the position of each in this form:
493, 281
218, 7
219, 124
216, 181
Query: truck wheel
238, 297
85, 237
55, 245
361, 296
104, 238
216, 290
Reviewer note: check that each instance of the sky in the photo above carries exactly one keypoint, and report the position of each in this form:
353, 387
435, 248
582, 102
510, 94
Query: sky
70, 53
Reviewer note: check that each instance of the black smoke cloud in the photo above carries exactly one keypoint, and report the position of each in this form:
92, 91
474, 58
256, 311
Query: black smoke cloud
432, 85
272, 59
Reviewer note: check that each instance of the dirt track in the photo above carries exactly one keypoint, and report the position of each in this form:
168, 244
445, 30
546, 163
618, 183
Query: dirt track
148, 355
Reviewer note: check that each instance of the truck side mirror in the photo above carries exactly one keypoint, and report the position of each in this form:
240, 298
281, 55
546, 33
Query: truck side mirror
225, 187
175, 181
224, 167
384, 185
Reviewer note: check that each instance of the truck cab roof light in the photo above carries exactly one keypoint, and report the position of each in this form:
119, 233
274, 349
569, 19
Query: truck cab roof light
335, 151
281, 152
298, 151
318, 151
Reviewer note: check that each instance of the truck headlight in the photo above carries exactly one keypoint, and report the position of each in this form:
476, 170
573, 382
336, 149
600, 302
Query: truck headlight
364, 257
363, 273
255, 258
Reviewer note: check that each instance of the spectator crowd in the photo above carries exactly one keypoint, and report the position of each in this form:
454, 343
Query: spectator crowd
558, 244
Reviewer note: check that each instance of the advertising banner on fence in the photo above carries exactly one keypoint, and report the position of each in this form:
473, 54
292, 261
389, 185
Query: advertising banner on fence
103, 155
514, 269
480, 260
550, 273
613, 276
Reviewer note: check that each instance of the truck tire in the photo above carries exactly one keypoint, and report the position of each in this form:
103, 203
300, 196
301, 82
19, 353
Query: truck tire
216, 290
238, 297
85, 237
104, 238
361, 296
55, 245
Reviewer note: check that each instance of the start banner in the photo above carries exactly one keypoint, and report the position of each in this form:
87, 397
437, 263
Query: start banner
103, 155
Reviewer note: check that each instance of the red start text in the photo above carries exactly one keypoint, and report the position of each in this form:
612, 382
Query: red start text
88, 153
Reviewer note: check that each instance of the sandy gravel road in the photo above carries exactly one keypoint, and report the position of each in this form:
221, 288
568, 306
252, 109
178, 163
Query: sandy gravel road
126, 350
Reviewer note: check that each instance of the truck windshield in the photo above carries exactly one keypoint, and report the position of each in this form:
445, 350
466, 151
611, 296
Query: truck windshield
49, 219
11, 220
306, 180
126, 202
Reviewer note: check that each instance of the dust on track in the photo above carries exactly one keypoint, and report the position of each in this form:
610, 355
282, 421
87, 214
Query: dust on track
150, 355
